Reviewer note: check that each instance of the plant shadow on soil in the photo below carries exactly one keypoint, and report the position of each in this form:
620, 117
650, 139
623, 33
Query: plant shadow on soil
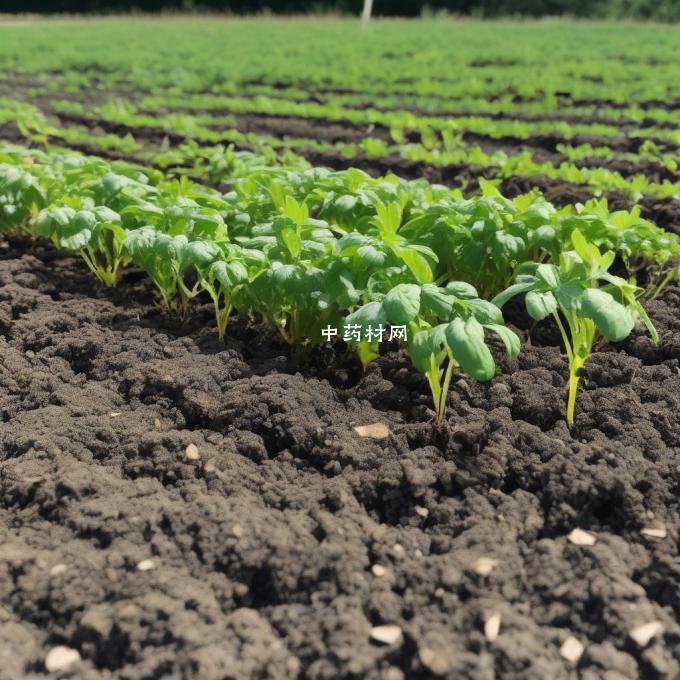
264, 548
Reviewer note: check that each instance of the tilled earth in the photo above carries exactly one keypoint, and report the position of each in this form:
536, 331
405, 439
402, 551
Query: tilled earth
276, 544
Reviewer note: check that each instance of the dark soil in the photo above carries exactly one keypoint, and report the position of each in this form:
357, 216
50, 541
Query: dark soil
320, 129
550, 141
263, 549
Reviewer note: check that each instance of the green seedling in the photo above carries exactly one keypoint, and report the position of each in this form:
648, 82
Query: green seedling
586, 302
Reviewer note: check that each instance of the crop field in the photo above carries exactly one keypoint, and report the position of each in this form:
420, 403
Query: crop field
337, 353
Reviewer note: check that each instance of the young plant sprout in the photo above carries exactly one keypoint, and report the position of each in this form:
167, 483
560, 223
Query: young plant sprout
95, 233
445, 330
584, 299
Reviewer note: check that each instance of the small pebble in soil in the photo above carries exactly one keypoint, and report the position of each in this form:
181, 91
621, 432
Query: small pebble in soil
374, 431
145, 565
237, 530
484, 565
492, 626
398, 551
388, 634
378, 570
423, 512
61, 657
157, 424
114, 414
571, 650
643, 634
654, 532
58, 569
580, 537
192, 452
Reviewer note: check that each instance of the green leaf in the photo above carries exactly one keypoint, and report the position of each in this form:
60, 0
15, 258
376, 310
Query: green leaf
549, 274
229, 274
78, 232
436, 301
425, 348
369, 315
371, 257
139, 241
568, 295
292, 240
402, 303
613, 320
52, 220
462, 290
298, 212
589, 253
485, 312
340, 286
367, 352
524, 284
540, 305
197, 254
466, 342
415, 262
388, 218
635, 304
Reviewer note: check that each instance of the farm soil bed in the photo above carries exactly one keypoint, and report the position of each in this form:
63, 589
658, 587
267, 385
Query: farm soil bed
278, 549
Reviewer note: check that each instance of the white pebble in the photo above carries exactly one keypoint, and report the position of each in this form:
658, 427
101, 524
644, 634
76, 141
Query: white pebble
378, 570
145, 565
374, 431
58, 569
484, 565
423, 512
571, 650
643, 634
59, 658
654, 532
114, 414
399, 551
492, 626
192, 452
580, 537
388, 634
